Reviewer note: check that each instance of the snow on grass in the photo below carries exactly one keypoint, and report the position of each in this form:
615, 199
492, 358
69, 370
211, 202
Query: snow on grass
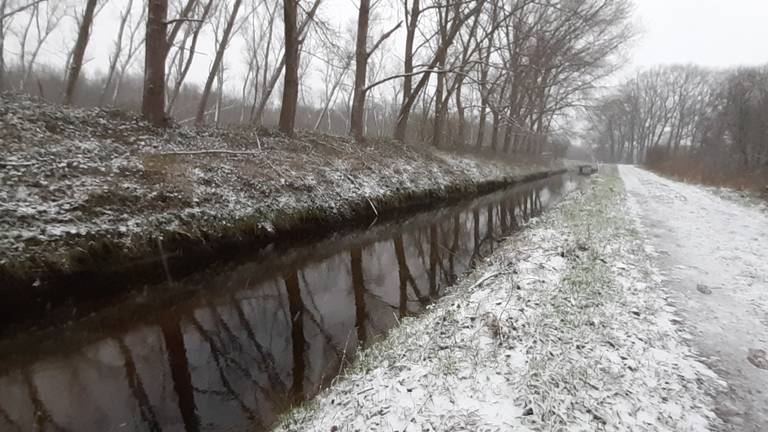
757, 199
107, 175
566, 327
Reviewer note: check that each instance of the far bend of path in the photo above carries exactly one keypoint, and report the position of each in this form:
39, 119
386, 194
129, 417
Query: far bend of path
715, 252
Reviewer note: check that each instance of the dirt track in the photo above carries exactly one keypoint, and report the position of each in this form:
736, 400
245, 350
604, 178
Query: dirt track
716, 254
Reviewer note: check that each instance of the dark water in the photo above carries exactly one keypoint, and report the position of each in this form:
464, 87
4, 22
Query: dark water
231, 349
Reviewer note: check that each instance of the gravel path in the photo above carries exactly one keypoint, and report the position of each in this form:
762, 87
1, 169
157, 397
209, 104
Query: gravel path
716, 254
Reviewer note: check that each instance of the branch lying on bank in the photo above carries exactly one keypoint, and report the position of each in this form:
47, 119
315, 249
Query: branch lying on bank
19, 164
203, 152
486, 277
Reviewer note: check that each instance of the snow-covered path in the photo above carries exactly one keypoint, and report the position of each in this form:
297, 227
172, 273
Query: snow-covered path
716, 254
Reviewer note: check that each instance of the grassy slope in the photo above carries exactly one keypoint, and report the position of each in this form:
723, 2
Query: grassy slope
566, 328
92, 190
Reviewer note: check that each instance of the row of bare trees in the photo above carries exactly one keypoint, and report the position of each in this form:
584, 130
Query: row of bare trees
494, 73
704, 116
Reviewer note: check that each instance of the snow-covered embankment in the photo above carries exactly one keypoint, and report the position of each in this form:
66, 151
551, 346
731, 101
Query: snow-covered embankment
566, 326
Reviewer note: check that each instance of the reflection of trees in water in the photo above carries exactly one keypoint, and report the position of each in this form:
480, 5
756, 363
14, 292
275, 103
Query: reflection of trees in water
180, 373
513, 224
266, 360
136, 385
502, 208
454, 250
405, 278
42, 417
296, 308
434, 258
475, 234
248, 329
358, 289
6, 418
221, 360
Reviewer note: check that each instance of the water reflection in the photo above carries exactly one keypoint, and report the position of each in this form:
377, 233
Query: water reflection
253, 340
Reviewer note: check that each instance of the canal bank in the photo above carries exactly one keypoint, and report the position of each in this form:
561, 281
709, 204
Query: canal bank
235, 346
95, 201
566, 326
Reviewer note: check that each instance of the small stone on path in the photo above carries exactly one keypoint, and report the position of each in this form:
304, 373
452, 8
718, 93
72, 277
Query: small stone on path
758, 358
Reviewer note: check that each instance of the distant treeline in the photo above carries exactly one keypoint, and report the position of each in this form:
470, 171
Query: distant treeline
688, 120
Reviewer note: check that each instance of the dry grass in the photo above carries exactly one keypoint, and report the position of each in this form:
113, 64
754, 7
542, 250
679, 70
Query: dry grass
683, 168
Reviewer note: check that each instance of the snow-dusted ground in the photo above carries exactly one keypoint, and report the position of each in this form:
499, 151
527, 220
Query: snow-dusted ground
716, 252
73, 180
567, 327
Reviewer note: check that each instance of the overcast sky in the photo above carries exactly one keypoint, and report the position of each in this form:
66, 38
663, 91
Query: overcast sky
707, 32
718, 33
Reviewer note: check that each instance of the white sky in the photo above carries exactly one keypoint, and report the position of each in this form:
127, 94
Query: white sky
717, 33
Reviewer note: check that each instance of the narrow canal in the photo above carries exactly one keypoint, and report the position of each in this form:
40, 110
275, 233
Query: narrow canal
234, 347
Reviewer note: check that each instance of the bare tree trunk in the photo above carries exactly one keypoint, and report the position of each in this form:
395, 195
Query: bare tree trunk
178, 23
268, 86
437, 131
192, 47
153, 102
332, 94
115, 57
481, 124
461, 130
199, 119
131, 51
83, 35
495, 131
291, 80
357, 125
507, 137
484, 69
3, 5
219, 96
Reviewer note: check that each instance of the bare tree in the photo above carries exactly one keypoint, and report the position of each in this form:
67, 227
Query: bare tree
291, 78
117, 52
3, 24
184, 62
83, 36
153, 101
461, 16
361, 70
42, 21
7, 12
223, 43
130, 50
362, 54
269, 84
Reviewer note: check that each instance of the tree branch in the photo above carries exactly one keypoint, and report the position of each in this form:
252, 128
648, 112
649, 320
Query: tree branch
21, 9
383, 37
179, 20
